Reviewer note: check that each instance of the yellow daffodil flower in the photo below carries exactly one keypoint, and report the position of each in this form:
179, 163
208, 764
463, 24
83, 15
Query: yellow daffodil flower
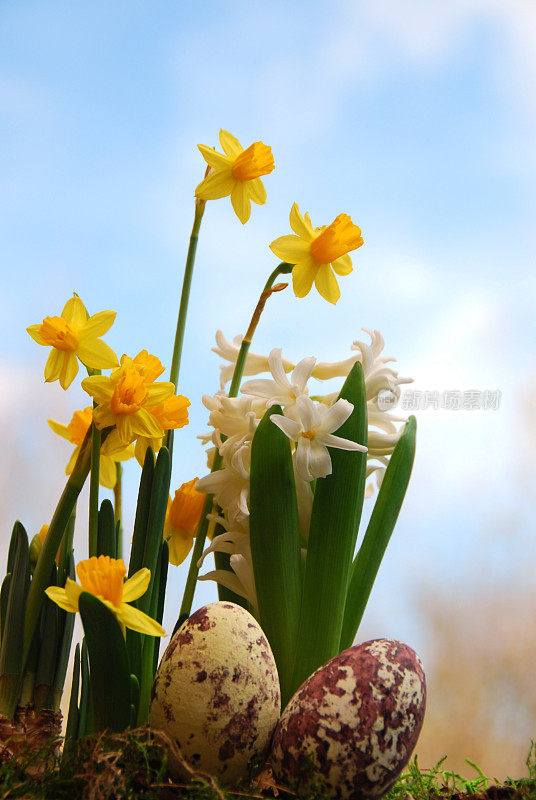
74, 335
111, 451
182, 518
171, 414
104, 578
152, 366
124, 398
318, 253
36, 545
236, 172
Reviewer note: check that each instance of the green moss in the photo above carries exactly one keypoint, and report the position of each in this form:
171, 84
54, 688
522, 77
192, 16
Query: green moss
132, 766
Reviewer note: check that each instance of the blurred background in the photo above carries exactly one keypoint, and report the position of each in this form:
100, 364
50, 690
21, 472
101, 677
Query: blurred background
418, 119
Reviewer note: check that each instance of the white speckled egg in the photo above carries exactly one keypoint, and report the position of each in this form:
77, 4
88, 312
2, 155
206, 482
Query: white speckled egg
355, 722
216, 691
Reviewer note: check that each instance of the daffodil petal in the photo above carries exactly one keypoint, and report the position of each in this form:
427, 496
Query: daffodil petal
72, 461
303, 276
116, 450
326, 283
69, 369
217, 184
179, 547
214, 159
61, 430
143, 424
158, 392
99, 387
35, 333
103, 417
59, 596
256, 191
124, 427
241, 202
342, 265
137, 585
299, 225
107, 472
290, 248
136, 620
54, 365
74, 313
96, 354
230, 144
142, 443
98, 324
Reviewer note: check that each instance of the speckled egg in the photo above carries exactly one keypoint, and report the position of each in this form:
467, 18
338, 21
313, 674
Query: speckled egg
216, 692
355, 722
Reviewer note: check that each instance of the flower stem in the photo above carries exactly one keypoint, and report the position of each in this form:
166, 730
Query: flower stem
118, 509
183, 308
269, 289
94, 490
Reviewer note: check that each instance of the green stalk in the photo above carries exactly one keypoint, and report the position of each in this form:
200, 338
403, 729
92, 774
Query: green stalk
58, 524
94, 491
183, 308
185, 295
118, 508
66, 551
201, 534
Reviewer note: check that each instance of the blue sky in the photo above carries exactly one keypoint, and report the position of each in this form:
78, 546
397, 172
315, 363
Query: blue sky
415, 118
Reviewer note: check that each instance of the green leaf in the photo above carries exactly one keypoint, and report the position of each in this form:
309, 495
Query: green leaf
134, 640
71, 730
275, 543
151, 644
106, 537
11, 664
159, 607
4, 594
47, 556
335, 517
155, 524
85, 712
108, 665
46, 663
134, 695
65, 639
142, 513
379, 530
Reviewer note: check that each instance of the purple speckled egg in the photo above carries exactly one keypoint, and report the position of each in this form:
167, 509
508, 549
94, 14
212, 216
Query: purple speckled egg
216, 692
355, 722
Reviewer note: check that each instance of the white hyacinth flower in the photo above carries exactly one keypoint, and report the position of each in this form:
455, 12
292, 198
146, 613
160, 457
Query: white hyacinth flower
313, 433
230, 485
281, 391
255, 363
